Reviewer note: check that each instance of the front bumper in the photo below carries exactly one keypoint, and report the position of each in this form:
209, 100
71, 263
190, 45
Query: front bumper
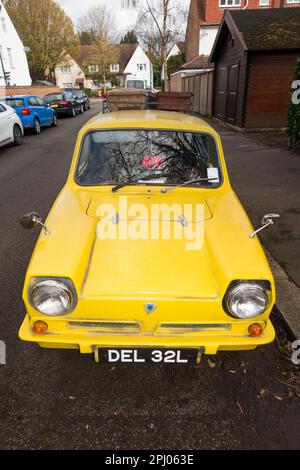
88, 342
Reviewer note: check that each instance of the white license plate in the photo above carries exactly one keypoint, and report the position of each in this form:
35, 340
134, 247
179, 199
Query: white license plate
148, 356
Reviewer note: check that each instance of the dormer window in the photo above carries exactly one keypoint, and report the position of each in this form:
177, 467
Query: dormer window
114, 68
93, 68
230, 3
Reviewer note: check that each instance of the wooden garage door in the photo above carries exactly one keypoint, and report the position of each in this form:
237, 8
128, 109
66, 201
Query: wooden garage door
220, 93
232, 93
226, 92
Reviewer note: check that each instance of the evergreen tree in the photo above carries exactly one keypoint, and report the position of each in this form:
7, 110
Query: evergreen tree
129, 38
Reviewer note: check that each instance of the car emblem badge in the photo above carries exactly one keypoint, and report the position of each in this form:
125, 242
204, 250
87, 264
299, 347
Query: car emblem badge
150, 308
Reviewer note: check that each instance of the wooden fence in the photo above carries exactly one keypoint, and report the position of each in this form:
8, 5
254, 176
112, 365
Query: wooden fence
201, 86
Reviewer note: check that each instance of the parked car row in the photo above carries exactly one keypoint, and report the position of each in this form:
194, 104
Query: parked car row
28, 112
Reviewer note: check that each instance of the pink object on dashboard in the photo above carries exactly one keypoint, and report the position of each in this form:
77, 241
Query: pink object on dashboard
151, 161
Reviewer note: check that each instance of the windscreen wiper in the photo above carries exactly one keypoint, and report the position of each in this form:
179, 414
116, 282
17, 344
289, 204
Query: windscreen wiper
187, 183
130, 181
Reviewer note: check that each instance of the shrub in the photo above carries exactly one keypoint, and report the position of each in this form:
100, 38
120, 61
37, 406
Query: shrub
293, 125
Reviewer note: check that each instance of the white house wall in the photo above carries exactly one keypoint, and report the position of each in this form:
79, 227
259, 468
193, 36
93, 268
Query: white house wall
174, 51
69, 79
9, 39
140, 57
208, 35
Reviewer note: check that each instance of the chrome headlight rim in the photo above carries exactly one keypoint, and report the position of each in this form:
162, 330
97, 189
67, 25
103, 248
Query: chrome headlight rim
263, 286
64, 282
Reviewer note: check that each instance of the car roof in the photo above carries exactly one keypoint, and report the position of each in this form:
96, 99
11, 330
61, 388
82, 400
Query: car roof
149, 120
13, 97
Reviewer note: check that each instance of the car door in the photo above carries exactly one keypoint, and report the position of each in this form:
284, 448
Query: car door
5, 125
45, 112
36, 109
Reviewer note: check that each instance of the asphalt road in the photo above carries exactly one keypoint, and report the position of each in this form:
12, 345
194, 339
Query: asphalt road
56, 399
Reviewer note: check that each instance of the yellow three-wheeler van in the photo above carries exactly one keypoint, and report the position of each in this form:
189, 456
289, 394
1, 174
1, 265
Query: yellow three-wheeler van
147, 254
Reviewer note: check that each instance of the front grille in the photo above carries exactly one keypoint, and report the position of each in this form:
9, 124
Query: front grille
190, 328
107, 327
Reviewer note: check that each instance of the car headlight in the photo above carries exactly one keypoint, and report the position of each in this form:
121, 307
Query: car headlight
247, 300
52, 296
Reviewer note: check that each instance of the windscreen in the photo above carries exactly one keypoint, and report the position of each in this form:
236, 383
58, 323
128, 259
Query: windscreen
15, 102
157, 156
50, 98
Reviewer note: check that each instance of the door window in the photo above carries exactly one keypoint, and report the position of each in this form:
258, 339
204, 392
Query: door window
39, 101
32, 101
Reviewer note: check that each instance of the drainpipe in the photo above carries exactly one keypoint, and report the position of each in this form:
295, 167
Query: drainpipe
3, 69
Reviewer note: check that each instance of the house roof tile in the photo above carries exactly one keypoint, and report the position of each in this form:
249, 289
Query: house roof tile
275, 28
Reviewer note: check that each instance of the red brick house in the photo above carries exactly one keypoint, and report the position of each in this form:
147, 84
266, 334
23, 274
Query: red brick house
254, 57
205, 16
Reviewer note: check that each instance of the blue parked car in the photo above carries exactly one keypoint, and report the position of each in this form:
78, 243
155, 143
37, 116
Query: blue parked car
33, 112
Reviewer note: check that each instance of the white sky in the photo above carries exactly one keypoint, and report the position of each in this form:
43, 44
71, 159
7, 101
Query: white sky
75, 8
125, 19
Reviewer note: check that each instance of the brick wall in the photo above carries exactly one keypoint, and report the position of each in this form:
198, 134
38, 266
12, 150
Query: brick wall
214, 13
209, 12
193, 32
269, 85
40, 91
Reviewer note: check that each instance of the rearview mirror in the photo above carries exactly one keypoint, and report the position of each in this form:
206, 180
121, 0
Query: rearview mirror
267, 220
31, 220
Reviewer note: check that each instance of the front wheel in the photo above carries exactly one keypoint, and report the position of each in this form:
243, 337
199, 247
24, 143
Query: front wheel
81, 111
54, 123
18, 136
73, 112
36, 127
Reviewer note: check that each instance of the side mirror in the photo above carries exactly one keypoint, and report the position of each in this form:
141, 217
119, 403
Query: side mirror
31, 220
267, 220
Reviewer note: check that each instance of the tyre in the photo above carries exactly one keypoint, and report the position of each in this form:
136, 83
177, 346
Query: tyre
73, 112
54, 123
81, 110
18, 136
37, 127
85, 107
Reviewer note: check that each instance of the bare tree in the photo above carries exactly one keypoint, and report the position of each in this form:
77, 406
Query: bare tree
160, 23
99, 24
98, 28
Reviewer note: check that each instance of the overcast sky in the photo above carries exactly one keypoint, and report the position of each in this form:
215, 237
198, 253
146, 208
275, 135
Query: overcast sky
76, 8
125, 18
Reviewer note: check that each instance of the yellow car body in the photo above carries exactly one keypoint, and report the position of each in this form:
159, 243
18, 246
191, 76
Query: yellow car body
115, 279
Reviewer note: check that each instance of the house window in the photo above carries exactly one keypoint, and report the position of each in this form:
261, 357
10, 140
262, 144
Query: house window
114, 67
93, 68
65, 69
230, 3
10, 57
68, 85
293, 1
264, 3
141, 67
3, 22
